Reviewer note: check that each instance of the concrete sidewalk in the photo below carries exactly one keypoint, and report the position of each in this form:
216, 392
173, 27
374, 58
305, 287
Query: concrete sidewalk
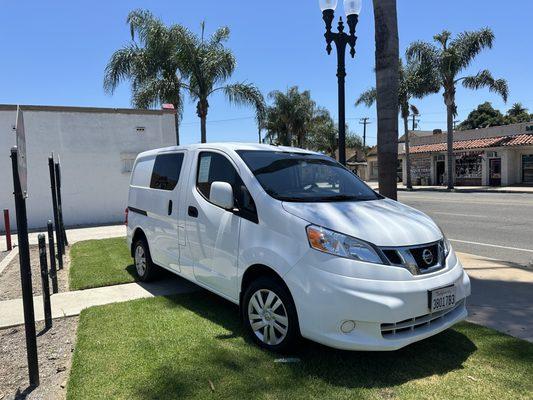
464, 189
75, 234
502, 295
67, 304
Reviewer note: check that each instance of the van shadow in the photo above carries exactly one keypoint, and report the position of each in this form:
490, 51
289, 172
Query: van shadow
438, 355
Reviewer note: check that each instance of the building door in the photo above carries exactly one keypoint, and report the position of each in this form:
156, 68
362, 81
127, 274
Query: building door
441, 169
527, 168
495, 177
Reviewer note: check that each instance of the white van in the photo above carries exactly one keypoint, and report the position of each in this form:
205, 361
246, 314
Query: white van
300, 243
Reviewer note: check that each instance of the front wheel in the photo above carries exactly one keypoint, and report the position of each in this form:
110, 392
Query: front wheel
269, 315
145, 268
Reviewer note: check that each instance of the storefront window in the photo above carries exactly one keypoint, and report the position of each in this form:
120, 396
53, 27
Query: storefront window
468, 169
527, 168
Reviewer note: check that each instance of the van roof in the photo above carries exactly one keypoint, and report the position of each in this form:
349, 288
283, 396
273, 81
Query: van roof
228, 146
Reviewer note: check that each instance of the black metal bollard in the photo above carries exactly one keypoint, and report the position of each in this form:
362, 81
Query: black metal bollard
51, 250
44, 280
53, 187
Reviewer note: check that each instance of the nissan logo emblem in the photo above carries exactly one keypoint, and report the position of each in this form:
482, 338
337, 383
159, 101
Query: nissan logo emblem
427, 256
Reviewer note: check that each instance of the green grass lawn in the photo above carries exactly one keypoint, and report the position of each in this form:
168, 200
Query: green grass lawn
96, 263
192, 346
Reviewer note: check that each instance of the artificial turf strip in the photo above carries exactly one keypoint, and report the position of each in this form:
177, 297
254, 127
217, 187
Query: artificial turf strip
192, 346
96, 263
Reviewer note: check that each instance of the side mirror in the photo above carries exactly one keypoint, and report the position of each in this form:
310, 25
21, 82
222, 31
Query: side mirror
221, 194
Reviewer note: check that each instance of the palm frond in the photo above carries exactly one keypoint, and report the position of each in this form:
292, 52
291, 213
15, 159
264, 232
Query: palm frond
368, 97
424, 53
221, 35
468, 45
246, 94
484, 79
123, 64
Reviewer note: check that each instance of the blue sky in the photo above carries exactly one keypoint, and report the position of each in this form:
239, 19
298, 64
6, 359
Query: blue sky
54, 53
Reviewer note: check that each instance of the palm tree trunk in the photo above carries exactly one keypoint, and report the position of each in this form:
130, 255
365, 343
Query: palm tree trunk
408, 182
177, 126
201, 110
387, 82
449, 100
203, 128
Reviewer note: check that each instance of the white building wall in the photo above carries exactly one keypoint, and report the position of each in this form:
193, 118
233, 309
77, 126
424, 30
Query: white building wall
92, 145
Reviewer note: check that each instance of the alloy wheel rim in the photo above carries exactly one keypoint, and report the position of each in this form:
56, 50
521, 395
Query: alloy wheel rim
268, 317
140, 260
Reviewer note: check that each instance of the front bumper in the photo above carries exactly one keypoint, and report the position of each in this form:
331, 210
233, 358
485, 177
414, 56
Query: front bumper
324, 300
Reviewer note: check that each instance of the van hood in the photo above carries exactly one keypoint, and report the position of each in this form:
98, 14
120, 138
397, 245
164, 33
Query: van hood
382, 222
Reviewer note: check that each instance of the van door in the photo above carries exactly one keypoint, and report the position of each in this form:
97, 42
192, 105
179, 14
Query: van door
212, 232
164, 209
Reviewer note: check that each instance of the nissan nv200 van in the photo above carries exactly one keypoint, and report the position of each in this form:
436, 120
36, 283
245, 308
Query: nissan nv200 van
298, 241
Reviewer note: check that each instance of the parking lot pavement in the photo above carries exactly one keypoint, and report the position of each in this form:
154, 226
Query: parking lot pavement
502, 295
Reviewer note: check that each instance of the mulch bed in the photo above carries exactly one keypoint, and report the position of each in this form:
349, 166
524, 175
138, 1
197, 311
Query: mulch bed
55, 348
10, 278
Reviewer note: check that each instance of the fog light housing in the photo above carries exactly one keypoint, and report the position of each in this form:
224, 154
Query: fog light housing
347, 326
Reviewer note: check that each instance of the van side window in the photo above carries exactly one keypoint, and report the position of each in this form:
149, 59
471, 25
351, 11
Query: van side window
166, 173
214, 167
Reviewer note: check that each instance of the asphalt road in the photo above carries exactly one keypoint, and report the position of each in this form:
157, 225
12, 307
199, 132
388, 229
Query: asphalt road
495, 225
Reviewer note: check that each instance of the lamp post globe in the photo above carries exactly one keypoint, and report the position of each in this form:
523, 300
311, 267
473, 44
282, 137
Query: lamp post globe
327, 5
352, 7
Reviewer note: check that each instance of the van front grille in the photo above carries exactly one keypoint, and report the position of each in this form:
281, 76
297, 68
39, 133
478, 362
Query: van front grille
419, 259
412, 325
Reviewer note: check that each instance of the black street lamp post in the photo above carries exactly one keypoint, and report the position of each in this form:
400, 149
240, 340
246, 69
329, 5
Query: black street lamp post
341, 40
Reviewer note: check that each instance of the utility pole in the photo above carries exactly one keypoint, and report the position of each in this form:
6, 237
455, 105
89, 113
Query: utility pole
415, 121
455, 121
364, 121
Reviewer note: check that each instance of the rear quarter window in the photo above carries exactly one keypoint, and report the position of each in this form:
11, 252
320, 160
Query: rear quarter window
166, 172
142, 172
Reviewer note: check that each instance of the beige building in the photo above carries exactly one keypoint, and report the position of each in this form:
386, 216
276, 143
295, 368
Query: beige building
495, 156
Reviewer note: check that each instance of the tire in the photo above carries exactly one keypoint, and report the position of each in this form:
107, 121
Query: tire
275, 325
142, 260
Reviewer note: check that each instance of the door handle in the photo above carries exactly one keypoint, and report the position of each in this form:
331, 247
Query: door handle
193, 212
170, 207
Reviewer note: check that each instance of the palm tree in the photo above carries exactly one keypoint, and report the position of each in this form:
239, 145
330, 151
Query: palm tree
414, 82
291, 116
208, 65
446, 61
152, 62
387, 86
517, 110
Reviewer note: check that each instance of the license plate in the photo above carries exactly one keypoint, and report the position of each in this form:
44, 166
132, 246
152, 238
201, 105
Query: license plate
441, 299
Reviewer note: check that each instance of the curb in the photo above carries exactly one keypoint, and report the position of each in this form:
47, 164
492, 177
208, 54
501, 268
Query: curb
5, 262
463, 190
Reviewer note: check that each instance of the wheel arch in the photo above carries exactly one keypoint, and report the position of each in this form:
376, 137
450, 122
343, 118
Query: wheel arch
138, 234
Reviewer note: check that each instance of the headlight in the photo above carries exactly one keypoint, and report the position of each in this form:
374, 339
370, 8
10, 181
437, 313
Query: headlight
446, 242
335, 243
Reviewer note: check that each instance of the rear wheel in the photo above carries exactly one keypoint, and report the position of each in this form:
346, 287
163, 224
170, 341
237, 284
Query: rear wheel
269, 315
145, 268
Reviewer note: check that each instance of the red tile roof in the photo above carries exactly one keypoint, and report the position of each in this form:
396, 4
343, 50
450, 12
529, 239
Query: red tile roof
523, 139
519, 140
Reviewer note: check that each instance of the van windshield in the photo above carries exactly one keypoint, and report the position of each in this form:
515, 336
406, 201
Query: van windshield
300, 177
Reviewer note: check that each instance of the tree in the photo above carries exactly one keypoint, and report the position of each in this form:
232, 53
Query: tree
482, 117
291, 116
518, 113
208, 65
324, 135
387, 86
153, 62
414, 82
446, 61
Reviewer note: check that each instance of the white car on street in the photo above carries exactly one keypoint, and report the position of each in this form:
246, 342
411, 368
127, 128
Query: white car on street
299, 242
